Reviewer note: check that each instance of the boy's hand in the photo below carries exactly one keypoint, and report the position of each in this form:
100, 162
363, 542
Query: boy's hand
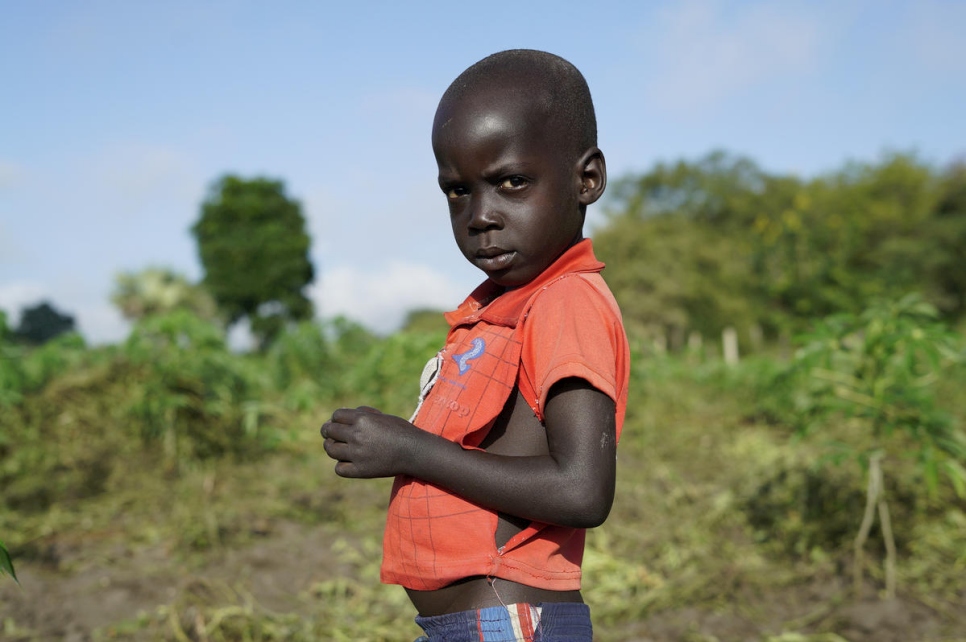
368, 443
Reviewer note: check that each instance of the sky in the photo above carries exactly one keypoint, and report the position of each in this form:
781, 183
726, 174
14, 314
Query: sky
116, 118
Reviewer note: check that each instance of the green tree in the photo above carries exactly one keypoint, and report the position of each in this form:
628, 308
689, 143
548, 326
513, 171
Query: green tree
946, 248
676, 245
42, 322
424, 320
255, 252
159, 291
718, 241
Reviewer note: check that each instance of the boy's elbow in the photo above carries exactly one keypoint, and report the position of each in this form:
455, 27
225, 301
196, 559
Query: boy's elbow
597, 516
590, 510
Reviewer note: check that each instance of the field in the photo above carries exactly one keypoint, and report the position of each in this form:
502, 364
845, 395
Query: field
168, 489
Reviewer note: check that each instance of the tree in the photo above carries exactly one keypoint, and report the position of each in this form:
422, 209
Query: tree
947, 247
255, 252
424, 320
676, 245
159, 291
716, 242
42, 322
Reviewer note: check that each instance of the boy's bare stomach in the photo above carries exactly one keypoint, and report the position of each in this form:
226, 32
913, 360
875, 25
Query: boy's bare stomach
516, 432
480, 592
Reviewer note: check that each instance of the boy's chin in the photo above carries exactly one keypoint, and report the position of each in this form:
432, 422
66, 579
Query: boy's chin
509, 280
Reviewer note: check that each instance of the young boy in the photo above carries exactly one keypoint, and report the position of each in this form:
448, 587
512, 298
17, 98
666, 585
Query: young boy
511, 452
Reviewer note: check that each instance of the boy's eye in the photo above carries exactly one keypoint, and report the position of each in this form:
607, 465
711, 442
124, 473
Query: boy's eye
454, 192
513, 182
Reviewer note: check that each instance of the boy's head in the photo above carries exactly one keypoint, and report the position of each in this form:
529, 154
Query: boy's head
515, 139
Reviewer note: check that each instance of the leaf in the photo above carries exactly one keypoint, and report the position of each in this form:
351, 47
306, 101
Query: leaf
6, 564
957, 475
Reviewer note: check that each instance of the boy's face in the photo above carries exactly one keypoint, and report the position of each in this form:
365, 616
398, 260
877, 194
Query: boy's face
512, 186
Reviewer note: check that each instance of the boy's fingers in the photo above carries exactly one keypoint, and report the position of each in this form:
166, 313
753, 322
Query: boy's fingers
369, 409
345, 469
333, 431
349, 415
336, 449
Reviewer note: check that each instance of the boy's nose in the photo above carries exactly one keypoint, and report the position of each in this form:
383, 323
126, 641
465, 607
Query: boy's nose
483, 215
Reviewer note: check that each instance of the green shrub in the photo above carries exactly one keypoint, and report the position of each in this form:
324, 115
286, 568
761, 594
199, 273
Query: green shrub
188, 391
387, 377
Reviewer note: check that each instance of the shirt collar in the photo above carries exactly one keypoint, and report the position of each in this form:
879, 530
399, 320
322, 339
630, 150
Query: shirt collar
495, 304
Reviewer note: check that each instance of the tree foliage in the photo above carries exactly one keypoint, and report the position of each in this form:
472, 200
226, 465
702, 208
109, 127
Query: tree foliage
42, 322
947, 258
255, 252
159, 291
716, 242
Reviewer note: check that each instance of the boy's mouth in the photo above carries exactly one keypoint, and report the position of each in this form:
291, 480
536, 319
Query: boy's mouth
493, 258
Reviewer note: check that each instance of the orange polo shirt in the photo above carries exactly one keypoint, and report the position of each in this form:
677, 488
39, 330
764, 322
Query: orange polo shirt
565, 323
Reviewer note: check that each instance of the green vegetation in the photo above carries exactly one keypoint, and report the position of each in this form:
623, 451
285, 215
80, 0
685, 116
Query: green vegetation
41, 323
698, 246
6, 564
158, 291
255, 252
878, 372
189, 480
172, 443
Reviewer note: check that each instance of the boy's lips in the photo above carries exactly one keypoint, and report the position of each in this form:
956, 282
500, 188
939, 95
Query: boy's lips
493, 258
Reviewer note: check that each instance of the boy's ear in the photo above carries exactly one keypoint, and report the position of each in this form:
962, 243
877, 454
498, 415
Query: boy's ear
593, 175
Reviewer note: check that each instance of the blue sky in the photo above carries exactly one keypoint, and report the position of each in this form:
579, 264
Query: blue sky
117, 116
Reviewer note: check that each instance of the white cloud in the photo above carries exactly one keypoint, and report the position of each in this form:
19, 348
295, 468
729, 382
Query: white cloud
99, 322
380, 300
15, 296
708, 50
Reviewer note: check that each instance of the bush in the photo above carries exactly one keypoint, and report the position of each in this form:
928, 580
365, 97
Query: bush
189, 391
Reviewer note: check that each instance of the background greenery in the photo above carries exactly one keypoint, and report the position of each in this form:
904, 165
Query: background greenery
741, 487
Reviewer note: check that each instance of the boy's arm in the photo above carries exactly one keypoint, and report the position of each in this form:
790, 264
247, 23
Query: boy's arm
571, 486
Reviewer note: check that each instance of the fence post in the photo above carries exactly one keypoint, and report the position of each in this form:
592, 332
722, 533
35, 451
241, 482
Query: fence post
729, 340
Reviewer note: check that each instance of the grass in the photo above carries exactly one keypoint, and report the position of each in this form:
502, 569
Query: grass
724, 527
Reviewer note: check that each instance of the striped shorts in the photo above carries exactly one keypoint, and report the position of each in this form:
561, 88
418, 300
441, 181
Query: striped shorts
548, 622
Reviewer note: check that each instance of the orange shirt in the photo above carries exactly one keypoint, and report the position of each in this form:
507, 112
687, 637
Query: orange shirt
565, 323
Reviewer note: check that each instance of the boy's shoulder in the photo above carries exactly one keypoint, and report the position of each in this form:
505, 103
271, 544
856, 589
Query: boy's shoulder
574, 294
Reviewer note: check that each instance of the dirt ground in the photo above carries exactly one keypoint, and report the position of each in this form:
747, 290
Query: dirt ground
77, 587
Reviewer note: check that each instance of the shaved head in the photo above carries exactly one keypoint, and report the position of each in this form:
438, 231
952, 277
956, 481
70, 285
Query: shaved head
554, 87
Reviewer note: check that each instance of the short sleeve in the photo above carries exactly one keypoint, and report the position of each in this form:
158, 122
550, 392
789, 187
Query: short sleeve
574, 329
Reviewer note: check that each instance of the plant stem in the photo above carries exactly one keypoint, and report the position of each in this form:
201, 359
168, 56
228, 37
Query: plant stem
890, 543
872, 495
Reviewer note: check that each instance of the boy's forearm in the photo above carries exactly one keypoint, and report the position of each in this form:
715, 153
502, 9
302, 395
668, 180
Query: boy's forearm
538, 488
573, 485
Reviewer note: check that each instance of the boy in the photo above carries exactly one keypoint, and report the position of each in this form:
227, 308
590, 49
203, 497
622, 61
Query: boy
512, 449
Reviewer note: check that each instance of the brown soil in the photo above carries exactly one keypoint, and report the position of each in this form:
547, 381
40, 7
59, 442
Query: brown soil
74, 589
77, 587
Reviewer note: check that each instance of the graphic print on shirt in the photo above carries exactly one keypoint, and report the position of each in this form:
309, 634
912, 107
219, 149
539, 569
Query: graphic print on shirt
473, 384
463, 360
